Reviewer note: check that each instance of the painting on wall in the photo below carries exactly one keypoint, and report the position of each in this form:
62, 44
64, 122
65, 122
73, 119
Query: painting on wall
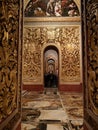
51, 8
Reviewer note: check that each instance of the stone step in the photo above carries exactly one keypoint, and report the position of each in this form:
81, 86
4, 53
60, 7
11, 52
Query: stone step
50, 90
54, 127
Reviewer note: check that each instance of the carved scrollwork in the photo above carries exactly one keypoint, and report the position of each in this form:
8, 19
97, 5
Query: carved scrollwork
70, 54
92, 26
32, 53
69, 40
8, 57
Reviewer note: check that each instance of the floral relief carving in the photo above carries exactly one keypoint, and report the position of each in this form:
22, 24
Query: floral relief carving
36, 37
32, 54
70, 47
8, 57
92, 24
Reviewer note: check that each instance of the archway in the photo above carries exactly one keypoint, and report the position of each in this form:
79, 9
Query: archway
51, 67
92, 17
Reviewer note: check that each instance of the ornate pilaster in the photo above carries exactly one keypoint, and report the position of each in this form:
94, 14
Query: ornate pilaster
92, 43
9, 65
90, 29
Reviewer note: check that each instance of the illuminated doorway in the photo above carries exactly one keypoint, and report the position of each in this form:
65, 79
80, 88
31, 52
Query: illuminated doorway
51, 67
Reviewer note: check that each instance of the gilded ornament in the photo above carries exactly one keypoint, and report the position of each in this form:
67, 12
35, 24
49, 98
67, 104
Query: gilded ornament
92, 20
68, 39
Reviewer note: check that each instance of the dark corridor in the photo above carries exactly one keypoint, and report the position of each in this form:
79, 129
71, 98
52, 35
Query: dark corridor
50, 80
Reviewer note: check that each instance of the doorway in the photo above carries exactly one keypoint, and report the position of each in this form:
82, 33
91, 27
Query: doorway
51, 67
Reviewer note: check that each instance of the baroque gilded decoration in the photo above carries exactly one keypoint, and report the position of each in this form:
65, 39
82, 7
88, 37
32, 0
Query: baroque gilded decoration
68, 39
92, 28
34, 38
9, 35
70, 50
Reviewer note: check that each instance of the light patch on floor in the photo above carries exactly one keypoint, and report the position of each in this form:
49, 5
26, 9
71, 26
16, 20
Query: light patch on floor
54, 127
52, 111
53, 115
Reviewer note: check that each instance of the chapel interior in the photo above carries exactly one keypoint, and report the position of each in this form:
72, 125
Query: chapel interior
49, 65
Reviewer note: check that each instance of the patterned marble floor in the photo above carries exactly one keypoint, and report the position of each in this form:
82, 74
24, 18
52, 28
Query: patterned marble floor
52, 111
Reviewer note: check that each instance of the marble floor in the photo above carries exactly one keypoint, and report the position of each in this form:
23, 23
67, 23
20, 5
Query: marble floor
51, 110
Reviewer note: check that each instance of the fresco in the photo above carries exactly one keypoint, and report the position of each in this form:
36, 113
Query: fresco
51, 8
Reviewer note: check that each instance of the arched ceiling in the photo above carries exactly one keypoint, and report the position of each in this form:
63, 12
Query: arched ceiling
52, 54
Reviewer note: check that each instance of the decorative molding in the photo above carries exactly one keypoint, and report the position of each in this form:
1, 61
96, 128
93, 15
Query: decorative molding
53, 19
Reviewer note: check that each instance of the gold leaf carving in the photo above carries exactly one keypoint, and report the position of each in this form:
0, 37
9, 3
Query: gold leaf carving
92, 23
69, 40
32, 54
70, 54
8, 57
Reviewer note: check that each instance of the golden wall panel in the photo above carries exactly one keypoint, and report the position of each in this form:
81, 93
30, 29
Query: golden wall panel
70, 50
32, 54
35, 38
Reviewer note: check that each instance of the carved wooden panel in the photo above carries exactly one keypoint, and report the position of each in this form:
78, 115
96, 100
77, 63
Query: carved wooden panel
68, 38
92, 43
9, 65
